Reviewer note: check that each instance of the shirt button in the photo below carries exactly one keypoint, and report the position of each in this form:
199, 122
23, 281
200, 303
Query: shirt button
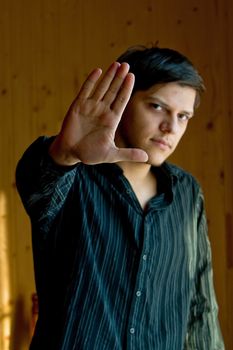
138, 293
132, 330
144, 257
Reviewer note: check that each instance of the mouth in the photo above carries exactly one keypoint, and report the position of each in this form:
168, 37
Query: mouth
161, 143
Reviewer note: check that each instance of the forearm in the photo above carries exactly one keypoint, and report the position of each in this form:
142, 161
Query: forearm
203, 331
40, 182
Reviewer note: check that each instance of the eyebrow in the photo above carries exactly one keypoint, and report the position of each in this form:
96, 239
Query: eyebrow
165, 105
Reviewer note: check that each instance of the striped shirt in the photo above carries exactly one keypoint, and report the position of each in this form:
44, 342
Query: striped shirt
110, 275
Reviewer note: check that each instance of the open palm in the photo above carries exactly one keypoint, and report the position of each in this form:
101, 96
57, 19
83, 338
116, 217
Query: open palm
88, 130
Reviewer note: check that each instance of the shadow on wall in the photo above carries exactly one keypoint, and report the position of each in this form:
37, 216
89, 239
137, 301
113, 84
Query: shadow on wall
15, 327
20, 332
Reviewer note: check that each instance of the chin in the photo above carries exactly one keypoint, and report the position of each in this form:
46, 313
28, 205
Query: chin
156, 162
156, 157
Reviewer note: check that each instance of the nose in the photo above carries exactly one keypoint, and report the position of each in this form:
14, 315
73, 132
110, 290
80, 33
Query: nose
169, 125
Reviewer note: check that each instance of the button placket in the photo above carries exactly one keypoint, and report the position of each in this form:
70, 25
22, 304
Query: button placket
132, 330
144, 257
138, 301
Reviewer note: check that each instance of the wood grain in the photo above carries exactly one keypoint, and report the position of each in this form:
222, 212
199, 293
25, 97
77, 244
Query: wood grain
46, 50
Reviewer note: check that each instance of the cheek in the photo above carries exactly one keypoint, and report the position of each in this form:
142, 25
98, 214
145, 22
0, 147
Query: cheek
183, 131
138, 122
180, 135
141, 130
133, 124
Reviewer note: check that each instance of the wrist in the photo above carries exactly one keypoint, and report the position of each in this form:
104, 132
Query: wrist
61, 155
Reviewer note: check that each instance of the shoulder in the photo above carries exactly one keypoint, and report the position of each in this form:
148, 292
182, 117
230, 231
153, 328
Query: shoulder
183, 181
181, 174
186, 188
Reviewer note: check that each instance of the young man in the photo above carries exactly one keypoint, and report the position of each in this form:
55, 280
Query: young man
121, 253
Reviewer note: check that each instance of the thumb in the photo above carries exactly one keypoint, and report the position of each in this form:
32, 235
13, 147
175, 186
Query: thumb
130, 155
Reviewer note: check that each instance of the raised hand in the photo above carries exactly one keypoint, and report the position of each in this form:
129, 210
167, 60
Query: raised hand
88, 131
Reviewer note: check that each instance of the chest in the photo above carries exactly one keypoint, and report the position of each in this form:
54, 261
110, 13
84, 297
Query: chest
144, 190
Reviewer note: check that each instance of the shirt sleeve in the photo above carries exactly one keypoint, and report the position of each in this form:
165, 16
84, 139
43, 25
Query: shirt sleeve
203, 329
43, 185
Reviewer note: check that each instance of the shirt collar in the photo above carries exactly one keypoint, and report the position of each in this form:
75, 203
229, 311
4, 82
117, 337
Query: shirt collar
167, 175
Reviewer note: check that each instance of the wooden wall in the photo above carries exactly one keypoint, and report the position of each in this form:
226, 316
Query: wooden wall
46, 50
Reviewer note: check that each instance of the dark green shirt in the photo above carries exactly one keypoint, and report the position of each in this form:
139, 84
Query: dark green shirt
110, 275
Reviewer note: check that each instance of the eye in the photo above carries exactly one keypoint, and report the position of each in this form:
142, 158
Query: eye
156, 106
184, 117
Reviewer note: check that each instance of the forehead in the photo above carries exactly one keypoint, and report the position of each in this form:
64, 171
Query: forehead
172, 94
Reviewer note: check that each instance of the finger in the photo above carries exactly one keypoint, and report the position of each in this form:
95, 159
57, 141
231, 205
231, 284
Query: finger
129, 155
105, 83
124, 94
89, 84
116, 84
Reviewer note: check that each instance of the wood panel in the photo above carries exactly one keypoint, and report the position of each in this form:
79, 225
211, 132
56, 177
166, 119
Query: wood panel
46, 50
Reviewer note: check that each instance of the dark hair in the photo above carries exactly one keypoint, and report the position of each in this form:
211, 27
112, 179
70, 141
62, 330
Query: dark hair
161, 65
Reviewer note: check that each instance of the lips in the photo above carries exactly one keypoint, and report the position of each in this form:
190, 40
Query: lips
164, 144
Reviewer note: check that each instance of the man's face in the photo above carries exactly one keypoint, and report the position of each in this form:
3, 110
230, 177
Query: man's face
156, 119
